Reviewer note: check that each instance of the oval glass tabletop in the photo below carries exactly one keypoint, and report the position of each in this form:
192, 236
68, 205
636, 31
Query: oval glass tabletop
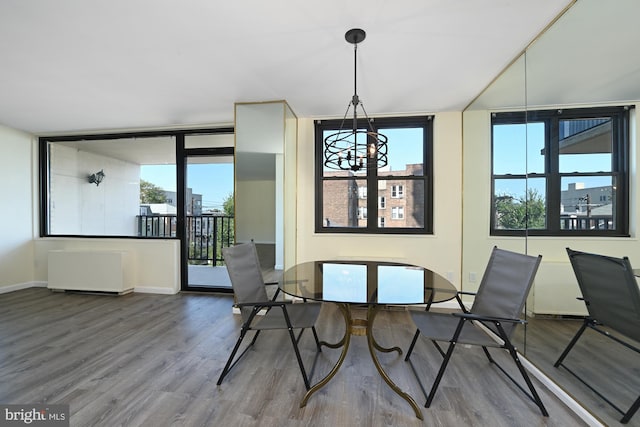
366, 282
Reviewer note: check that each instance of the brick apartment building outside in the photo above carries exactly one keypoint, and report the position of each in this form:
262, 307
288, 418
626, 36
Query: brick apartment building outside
400, 202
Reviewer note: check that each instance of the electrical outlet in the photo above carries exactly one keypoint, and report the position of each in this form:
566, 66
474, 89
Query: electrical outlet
450, 276
473, 277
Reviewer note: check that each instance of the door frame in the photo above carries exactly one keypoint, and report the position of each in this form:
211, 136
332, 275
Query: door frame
182, 154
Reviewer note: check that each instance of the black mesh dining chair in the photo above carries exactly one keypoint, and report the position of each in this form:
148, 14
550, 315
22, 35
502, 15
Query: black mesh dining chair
259, 313
490, 322
612, 298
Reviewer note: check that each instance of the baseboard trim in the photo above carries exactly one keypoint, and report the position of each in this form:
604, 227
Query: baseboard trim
149, 290
39, 284
554, 388
20, 286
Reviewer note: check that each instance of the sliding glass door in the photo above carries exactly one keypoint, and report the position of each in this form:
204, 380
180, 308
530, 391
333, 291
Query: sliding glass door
209, 215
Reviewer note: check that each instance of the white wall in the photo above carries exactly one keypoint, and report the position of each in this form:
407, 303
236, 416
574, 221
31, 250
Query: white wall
259, 129
439, 252
260, 197
23, 256
459, 246
17, 182
555, 287
155, 264
79, 207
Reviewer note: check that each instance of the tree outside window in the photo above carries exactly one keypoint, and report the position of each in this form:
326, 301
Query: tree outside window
561, 172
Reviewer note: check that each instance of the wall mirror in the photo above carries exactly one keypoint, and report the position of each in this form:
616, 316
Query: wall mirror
586, 59
265, 144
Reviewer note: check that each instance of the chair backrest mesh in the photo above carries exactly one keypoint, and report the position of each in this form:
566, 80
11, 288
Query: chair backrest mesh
245, 274
610, 291
505, 285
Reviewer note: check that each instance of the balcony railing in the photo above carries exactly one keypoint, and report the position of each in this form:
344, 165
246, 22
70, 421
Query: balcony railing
156, 225
586, 223
206, 234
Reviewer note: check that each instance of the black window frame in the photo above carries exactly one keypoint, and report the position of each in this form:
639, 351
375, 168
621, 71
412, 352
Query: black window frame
378, 124
178, 134
619, 168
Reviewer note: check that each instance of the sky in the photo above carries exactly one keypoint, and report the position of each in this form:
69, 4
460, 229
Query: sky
404, 147
213, 181
518, 152
515, 153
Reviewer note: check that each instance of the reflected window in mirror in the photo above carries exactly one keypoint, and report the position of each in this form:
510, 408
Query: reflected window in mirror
400, 193
135, 197
560, 172
137, 194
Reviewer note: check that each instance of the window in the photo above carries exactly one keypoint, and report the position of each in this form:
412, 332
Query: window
561, 172
382, 202
407, 176
397, 191
362, 212
74, 206
397, 212
362, 192
136, 198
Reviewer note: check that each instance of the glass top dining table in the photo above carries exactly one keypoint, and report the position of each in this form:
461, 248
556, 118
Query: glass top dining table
374, 284
366, 282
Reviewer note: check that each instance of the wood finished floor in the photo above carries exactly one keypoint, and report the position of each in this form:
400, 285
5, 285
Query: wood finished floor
608, 366
153, 360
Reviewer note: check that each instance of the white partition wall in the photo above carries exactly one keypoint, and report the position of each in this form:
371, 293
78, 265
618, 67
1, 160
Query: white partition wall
265, 180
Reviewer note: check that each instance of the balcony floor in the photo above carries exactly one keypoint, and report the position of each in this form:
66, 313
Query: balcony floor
208, 276
217, 277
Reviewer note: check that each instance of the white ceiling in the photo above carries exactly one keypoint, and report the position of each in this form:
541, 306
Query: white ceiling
587, 57
82, 65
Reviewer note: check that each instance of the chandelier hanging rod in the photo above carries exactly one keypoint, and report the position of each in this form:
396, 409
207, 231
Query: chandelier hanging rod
358, 154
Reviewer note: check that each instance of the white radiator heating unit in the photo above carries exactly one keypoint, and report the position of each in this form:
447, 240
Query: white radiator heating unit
90, 271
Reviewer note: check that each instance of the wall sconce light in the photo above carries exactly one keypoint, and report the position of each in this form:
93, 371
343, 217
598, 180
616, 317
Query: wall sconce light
96, 178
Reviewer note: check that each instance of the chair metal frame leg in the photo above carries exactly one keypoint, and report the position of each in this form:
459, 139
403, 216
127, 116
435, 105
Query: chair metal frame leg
573, 341
413, 343
294, 341
446, 357
315, 337
415, 336
632, 410
445, 362
243, 331
228, 366
532, 394
298, 357
590, 323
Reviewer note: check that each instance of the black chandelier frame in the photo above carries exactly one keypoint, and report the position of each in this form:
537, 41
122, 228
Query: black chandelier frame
355, 148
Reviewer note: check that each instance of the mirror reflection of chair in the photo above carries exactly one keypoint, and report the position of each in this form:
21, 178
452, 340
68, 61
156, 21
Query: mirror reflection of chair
612, 297
261, 313
490, 322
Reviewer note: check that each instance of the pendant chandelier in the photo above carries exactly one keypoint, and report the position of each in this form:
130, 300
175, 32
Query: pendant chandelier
354, 148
